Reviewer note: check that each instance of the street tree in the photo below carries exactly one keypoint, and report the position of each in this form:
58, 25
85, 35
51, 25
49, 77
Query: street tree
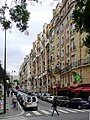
81, 18
18, 13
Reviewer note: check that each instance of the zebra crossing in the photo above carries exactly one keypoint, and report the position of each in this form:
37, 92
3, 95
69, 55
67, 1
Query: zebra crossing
48, 112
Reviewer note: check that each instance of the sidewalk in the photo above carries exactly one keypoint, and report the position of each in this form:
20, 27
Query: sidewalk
12, 112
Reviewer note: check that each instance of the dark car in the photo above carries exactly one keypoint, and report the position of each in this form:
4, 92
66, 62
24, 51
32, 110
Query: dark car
78, 103
62, 100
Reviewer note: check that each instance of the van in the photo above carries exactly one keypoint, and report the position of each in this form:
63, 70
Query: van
30, 102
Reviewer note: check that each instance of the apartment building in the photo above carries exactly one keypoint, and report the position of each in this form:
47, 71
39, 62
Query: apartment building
41, 78
24, 74
57, 54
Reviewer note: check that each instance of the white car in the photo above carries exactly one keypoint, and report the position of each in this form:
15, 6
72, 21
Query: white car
50, 98
30, 102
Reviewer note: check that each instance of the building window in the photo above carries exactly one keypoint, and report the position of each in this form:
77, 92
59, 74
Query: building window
68, 78
74, 61
67, 34
73, 46
67, 50
72, 28
62, 55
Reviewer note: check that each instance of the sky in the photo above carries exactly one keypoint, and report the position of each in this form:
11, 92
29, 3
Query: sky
19, 44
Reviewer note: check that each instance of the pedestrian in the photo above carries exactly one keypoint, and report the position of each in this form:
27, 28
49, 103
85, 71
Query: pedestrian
11, 93
54, 105
14, 102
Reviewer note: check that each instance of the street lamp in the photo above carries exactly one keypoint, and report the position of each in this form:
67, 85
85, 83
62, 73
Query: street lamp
5, 75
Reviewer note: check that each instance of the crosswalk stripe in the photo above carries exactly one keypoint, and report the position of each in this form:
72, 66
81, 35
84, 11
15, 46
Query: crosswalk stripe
71, 110
36, 113
54, 111
44, 111
79, 110
87, 110
62, 111
28, 114
47, 112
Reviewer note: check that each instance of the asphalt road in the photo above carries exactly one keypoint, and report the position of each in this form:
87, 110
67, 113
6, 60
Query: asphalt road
44, 113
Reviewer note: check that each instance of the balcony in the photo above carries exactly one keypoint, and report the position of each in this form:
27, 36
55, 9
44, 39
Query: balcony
84, 62
79, 63
57, 69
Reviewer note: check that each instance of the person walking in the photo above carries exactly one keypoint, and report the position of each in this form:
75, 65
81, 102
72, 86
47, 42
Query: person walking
54, 105
11, 93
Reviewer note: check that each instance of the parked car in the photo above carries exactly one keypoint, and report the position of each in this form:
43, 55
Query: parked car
50, 98
45, 95
39, 95
62, 100
21, 98
78, 103
19, 93
30, 102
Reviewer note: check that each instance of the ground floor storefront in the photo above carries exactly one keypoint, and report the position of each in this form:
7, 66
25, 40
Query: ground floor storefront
82, 91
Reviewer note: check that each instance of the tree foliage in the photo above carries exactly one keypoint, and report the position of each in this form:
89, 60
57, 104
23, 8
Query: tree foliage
81, 18
19, 14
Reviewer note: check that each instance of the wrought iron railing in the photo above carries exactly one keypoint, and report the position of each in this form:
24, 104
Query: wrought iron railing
79, 63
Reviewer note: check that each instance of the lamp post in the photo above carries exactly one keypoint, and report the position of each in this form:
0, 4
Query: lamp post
5, 75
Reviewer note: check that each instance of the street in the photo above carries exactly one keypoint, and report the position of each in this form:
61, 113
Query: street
44, 113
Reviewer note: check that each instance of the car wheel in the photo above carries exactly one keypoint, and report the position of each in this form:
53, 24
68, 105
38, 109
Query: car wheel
79, 106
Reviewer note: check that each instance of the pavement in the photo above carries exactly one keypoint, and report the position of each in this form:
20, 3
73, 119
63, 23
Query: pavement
12, 112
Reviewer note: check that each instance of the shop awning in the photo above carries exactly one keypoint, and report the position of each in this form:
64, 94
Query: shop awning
86, 89
66, 88
83, 89
77, 89
58, 86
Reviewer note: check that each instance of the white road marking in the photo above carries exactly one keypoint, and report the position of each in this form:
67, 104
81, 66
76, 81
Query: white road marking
63, 111
28, 114
44, 111
36, 113
79, 110
54, 111
71, 110
87, 110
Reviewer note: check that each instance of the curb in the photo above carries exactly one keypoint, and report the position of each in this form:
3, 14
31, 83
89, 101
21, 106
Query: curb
19, 107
